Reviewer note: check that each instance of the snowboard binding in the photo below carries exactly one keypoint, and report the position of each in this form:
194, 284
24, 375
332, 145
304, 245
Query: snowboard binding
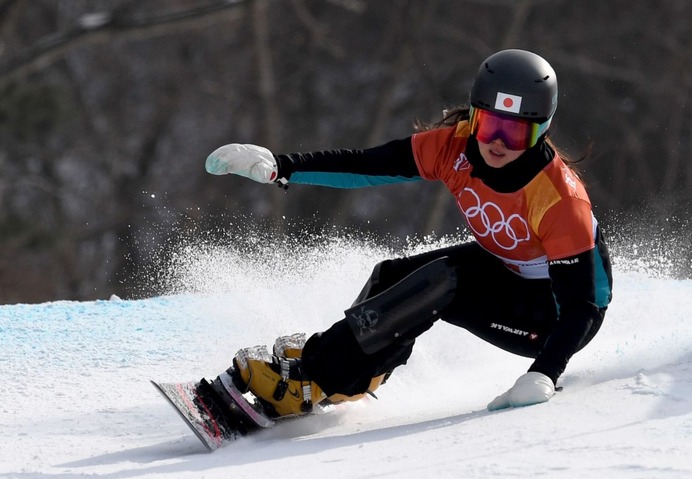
256, 391
278, 381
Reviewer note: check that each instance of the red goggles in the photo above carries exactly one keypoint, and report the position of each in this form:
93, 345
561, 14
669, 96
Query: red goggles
515, 133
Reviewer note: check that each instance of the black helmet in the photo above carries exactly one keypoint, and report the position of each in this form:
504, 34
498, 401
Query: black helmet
516, 83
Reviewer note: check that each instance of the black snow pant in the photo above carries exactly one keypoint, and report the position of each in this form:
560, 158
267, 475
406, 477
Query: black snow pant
490, 301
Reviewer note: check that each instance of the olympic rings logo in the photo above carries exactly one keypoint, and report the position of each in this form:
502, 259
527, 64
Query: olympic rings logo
488, 219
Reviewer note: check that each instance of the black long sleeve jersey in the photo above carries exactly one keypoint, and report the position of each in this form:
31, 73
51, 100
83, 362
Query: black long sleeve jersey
579, 269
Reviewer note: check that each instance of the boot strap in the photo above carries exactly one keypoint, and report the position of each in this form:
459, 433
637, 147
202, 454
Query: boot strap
290, 369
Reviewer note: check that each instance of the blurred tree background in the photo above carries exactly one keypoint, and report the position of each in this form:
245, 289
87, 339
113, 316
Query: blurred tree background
108, 109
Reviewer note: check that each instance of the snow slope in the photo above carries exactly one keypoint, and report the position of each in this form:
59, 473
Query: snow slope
75, 399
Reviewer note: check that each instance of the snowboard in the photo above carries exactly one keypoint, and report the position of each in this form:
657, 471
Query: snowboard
214, 418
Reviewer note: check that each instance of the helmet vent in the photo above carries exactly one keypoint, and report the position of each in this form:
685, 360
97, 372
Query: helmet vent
487, 67
545, 78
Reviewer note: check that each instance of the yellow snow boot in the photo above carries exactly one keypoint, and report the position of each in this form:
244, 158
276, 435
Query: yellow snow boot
291, 346
278, 382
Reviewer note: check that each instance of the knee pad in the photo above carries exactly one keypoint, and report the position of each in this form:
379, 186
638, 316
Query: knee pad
371, 285
398, 312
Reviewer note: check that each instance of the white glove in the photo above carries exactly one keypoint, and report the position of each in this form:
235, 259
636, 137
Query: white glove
530, 388
251, 161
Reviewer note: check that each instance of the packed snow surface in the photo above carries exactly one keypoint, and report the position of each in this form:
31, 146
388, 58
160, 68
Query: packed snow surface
75, 398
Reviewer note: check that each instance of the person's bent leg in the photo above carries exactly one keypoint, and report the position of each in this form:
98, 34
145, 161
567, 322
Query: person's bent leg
378, 334
352, 357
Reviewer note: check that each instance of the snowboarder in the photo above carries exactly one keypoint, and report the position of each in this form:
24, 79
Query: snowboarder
535, 282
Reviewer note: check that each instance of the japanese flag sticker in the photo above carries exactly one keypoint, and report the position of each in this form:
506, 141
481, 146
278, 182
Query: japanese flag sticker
507, 102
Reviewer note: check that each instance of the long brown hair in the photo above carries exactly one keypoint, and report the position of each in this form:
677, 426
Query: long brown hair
450, 117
